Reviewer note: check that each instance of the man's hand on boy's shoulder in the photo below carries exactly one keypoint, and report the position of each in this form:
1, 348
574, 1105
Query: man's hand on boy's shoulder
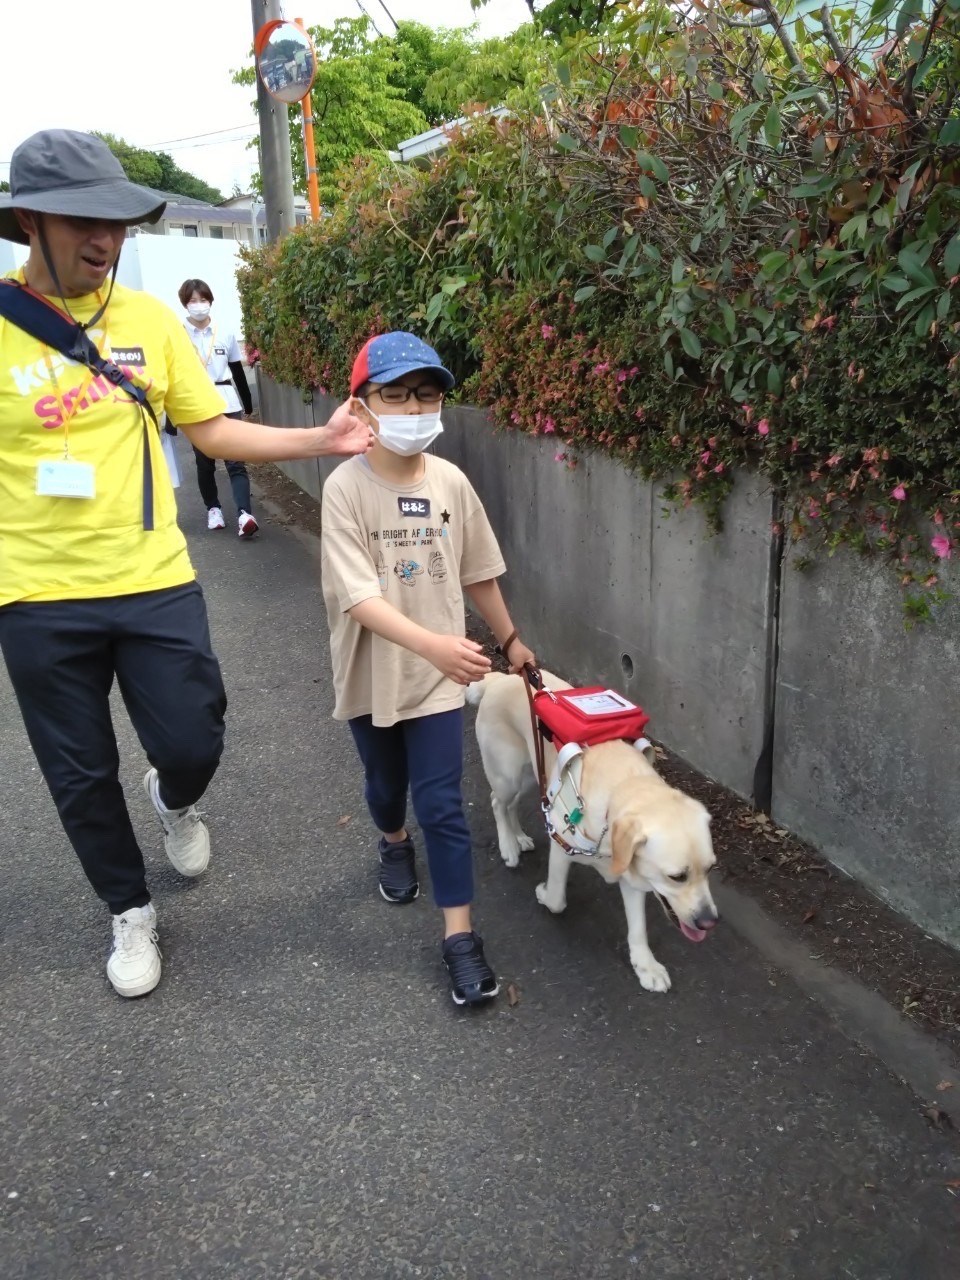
345, 434
459, 659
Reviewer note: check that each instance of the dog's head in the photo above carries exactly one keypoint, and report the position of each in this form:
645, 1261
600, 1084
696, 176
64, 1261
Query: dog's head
666, 848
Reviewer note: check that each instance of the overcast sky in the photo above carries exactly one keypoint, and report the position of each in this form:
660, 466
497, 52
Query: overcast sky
158, 74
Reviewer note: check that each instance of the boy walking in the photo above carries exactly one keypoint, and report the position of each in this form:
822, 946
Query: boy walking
404, 535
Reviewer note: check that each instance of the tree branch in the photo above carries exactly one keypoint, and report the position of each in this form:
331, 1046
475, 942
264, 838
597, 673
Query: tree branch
839, 52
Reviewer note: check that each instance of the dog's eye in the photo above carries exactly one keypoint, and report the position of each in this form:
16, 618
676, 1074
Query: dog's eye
680, 877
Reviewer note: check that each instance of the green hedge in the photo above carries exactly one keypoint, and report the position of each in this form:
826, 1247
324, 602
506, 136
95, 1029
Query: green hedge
617, 281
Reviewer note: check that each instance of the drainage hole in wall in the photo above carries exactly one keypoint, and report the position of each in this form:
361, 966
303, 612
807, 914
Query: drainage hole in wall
626, 665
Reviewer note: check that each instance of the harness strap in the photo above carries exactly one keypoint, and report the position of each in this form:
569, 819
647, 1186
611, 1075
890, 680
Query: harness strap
532, 678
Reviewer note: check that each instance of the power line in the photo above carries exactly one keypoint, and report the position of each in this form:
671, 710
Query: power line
389, 14
152, 146
369, 18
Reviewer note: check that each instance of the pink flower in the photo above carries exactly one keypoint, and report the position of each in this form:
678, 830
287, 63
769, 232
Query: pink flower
676, 441
941, 547
748, 412
641, 413
705, 456
813, 511
763, 427
515, 418
547, 330
634, 371
720, 468
559, 457
549, 426
622, 375
834, 459
899, 494
712, 442
602, 368
938, 517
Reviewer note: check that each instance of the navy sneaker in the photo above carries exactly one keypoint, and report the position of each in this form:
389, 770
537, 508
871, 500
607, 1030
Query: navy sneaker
471, 979
398, 872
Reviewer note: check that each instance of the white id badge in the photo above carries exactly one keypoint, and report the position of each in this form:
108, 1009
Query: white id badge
64, 478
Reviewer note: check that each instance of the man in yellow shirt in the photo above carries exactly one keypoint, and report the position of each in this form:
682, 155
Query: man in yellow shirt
96, 583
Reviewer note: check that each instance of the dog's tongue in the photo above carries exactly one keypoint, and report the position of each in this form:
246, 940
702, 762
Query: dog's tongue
691, 934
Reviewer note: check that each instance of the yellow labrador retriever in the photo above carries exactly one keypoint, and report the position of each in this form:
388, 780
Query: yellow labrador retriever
652, 838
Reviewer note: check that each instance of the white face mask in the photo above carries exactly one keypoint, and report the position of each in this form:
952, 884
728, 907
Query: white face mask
198, 310
406, 433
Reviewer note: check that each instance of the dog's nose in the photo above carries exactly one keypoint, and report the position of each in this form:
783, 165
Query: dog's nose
707, 919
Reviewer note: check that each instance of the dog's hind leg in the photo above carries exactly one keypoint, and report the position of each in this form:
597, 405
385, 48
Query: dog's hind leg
505, 764
552, 894
652, 974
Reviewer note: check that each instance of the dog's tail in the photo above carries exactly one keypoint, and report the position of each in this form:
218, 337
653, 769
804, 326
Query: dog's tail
476, 691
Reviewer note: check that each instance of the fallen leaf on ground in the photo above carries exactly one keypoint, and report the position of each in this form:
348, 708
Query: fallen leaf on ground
342, 822
938, 1117
944, 1085
513, 996
808, 916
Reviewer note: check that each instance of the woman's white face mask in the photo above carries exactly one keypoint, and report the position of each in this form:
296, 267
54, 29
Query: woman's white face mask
198, 310
406, 433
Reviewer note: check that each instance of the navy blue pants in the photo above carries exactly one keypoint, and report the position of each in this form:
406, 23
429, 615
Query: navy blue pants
63, 657
207, 479
426, 756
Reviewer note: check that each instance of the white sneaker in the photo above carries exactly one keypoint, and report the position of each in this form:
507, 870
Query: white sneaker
248, 526
215, 519
134, 964
186, 839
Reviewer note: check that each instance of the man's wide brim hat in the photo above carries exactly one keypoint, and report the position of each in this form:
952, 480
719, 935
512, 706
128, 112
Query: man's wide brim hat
75, 175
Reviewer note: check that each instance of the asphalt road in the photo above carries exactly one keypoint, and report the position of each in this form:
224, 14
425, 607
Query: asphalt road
299, 1098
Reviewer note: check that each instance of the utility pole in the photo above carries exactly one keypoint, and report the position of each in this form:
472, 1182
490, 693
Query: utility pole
276, 169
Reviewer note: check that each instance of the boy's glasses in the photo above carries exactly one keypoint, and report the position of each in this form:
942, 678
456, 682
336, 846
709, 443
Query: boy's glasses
397, 393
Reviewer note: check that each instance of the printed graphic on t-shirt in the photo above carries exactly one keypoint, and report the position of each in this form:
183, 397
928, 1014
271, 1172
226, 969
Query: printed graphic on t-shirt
408, 571
381, 540
437, 567
71, 379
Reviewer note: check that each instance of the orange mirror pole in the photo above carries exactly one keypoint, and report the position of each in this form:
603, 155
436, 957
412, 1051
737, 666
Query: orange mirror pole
310, 155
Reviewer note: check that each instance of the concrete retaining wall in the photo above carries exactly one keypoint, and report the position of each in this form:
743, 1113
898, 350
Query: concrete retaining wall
801, 691
866, 762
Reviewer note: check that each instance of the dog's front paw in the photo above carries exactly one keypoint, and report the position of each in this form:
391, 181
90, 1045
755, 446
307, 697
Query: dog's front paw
652, 974
525, 842
545, 900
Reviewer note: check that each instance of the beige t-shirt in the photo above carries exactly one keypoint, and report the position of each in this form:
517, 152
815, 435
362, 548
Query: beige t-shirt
416, 546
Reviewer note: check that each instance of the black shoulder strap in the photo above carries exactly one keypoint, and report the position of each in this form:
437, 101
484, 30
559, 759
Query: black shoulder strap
48, 325
51, 327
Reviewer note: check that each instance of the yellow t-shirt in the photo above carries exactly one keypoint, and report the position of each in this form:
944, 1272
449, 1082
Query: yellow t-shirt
416, 546
82, 548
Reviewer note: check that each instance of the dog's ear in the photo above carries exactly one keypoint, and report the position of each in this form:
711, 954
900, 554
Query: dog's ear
625, 835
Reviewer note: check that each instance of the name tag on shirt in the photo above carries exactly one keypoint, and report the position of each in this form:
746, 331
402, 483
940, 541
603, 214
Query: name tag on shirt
64, 478
414, 506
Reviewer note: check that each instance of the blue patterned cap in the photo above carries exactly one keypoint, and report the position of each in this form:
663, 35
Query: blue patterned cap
391, 355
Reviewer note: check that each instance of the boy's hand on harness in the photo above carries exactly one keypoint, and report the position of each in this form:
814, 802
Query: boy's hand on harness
460, 660
519, 656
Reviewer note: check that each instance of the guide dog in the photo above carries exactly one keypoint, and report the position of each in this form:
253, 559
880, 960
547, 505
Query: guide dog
651, 837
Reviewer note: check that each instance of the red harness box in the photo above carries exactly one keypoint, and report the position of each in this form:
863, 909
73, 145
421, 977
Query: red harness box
588, 716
